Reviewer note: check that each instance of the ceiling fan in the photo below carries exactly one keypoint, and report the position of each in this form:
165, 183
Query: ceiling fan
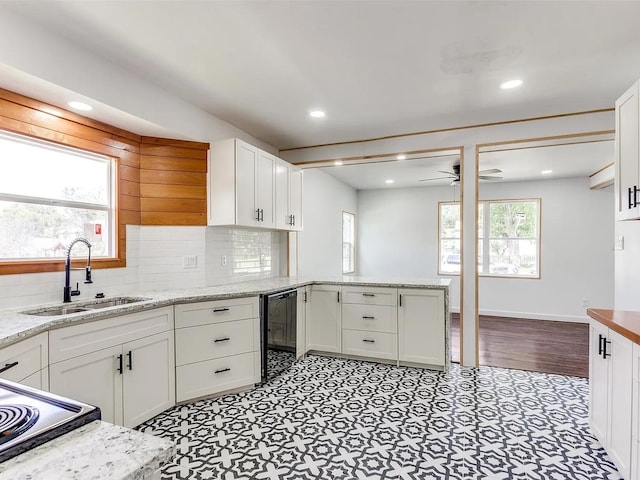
489, 174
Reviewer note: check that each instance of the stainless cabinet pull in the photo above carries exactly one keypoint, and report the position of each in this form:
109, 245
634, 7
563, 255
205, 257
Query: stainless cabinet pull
367, 317
225, 339
222, 370
366, 340
368, 295
8, 366
262, 214
217, 310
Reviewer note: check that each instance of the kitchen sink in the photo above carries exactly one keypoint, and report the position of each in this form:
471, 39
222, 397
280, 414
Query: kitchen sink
84, 307
112, 302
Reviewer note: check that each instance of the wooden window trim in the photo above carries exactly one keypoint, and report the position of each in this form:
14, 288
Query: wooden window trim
38, 120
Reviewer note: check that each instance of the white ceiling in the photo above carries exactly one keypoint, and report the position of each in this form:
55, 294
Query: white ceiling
376, 67
517, 164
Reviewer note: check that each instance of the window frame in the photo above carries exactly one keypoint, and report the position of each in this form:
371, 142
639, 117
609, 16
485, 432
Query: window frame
353, 244
109, 207
486, 238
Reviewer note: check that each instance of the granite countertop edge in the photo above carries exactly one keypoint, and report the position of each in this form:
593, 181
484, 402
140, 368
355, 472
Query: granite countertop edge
16, 325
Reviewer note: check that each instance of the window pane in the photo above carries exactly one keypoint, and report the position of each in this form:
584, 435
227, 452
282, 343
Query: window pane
513, 219
450, 256
480, 221
63, 173
348, 242
45, 231
449, 220
513, 257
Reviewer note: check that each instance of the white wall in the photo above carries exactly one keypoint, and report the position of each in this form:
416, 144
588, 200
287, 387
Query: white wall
320, 244
576, 253
398, 233
627, 263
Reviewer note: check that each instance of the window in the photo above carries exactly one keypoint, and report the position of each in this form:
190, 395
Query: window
508, 238
348, 242
51, 194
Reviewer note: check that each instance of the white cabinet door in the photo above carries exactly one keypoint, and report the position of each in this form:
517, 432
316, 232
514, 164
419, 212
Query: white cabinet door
598, 381
282, 195
92, 378
25, 359
627, 155
246, 160
301, 320
265, 204
149, 385
620, 394
295, 198
421, 332
324, 323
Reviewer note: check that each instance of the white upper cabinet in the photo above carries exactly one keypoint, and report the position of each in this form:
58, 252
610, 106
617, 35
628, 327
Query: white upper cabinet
627, 177
289, 180
240, 185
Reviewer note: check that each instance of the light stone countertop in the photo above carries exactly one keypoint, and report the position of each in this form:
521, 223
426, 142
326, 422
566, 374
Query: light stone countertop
97, 450
16, 326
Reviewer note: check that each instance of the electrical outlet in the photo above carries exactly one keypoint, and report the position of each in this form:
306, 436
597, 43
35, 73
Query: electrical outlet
223, 260
189, 261
585, 303
619, 242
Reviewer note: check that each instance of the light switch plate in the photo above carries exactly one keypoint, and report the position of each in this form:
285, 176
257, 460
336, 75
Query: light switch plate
619, 242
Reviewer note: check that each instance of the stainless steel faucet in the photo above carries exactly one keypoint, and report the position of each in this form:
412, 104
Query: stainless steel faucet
68, 293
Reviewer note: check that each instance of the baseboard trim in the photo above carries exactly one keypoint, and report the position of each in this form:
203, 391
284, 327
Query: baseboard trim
536, 316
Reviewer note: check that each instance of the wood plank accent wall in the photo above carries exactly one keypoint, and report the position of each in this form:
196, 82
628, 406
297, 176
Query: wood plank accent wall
166, 185
173, 182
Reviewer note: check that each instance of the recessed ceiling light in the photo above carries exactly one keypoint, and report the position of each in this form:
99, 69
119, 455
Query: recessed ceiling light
317, 114
388, 181
511, 84
338, 162
401, 157
80, 106
546, 172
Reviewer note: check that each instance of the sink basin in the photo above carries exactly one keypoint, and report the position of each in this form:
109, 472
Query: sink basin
84, 307
112, 302
49, 312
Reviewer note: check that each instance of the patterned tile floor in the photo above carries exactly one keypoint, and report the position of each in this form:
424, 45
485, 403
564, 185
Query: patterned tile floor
330, 418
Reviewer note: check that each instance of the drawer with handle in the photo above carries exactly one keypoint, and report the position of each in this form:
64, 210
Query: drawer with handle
206, 342
22, 359
203, 313
375, 318
370, 296
204, 378
370, 344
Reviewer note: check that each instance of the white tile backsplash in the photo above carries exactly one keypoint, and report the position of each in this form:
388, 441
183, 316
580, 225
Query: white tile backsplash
155, 262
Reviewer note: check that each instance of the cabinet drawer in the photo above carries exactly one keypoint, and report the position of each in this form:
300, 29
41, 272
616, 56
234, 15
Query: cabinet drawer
69, 342
370, 295
205, 378
370, 344
206, 342
374, 318
24, 358
204, 313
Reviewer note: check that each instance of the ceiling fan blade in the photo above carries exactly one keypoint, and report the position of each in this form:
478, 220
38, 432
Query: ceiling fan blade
490, 170
436, 178
486, 177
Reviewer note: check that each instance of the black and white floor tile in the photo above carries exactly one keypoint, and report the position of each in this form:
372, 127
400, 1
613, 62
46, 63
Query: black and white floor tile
329, 418
279, 361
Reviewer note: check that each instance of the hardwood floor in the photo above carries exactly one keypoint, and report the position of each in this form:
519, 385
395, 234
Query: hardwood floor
534, 345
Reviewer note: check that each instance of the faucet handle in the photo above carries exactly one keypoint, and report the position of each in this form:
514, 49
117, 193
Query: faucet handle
87, 275
76, 292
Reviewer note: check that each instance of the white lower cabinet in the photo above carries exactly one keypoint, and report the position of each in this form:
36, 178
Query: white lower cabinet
26, 362
217, 347
324, 322
131, 380
370, 344
301, 321
421, 327
611, 392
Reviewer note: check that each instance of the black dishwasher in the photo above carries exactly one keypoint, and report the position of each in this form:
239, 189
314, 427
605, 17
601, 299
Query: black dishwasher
278, 333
